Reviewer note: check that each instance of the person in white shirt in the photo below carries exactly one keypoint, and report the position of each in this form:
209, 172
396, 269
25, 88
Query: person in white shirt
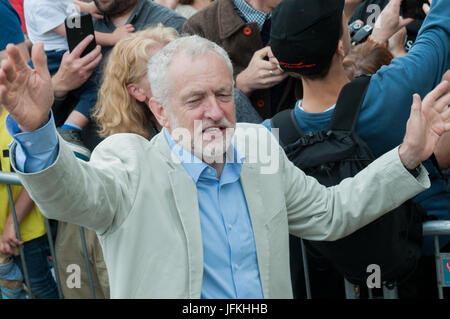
45, 23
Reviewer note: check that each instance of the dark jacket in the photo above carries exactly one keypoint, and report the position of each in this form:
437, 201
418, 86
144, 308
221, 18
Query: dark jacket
220, 23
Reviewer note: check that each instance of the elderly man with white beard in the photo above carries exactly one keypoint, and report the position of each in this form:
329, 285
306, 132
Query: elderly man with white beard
170, 224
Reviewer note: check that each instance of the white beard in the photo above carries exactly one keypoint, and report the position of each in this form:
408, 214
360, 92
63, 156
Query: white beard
209, 146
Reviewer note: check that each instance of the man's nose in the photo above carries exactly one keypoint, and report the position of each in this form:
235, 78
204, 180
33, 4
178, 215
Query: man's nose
214, 110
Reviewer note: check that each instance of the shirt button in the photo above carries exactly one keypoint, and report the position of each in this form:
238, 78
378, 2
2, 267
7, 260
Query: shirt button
260, 103
247, 31
28, 144
229, 226
236, 267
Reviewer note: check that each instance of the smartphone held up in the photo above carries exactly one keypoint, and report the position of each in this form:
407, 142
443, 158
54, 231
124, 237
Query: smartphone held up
78, 27
413, 9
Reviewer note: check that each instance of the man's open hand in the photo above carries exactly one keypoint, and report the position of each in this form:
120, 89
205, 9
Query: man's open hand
26, 94
428, 121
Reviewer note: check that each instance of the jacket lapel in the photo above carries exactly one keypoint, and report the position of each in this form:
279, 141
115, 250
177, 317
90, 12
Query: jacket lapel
186, 201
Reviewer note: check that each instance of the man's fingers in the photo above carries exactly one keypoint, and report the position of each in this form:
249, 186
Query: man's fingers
97, 15
39, 58
269, 73
404, 22
273, 80
94, 63
264, 52
435, 94
267, 65
6, 249
78, 50
442, 104
15, 243
9, 71
275, 72
4, 82
446, 115
417, 104
4, 89
91, 56
395, 4
426, 8
16, 58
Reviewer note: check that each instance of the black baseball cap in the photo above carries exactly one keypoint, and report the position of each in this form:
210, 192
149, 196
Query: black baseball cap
305, 33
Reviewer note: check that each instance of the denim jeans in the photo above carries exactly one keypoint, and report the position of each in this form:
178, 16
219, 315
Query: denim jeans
43, 286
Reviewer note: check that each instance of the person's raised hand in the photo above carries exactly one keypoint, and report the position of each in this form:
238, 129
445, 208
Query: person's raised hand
9, 241
74, 70
93, 10
121, 32
429, 119
260, 73
26, 94
397, 43
389, 22
426, 7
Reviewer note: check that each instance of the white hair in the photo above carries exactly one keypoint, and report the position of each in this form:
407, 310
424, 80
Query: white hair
192, 46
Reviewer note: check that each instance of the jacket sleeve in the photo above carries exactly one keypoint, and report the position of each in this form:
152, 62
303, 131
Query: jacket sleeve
387, 104
98, 194
316, 212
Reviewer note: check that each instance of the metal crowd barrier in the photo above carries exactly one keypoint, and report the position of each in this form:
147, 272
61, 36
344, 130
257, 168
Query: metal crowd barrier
12, 179
442, 260
430, 228
436, 229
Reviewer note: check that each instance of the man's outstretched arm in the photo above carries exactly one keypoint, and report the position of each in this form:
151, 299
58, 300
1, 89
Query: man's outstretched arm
65, 188
319, 213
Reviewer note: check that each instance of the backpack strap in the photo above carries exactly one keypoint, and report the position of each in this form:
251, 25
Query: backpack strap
349, 103
289, 130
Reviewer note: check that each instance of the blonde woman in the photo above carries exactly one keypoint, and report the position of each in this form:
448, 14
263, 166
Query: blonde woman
125, 91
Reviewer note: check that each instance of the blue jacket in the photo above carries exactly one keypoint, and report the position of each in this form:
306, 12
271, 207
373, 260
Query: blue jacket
386, 107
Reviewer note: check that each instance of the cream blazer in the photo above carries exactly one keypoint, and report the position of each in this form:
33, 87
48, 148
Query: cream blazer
144, 207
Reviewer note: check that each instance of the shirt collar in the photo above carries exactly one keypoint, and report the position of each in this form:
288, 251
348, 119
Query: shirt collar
250, 14
133, 17
197, 169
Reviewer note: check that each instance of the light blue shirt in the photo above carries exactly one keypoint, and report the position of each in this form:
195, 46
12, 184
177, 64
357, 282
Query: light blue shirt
37, 150
229, 250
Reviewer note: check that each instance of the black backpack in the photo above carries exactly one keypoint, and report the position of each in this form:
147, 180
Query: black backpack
394, 241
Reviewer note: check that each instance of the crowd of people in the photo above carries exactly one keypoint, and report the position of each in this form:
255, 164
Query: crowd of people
146, 142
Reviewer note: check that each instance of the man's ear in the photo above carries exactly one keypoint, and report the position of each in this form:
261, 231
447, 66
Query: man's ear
340, 49
160, 113
136, 92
